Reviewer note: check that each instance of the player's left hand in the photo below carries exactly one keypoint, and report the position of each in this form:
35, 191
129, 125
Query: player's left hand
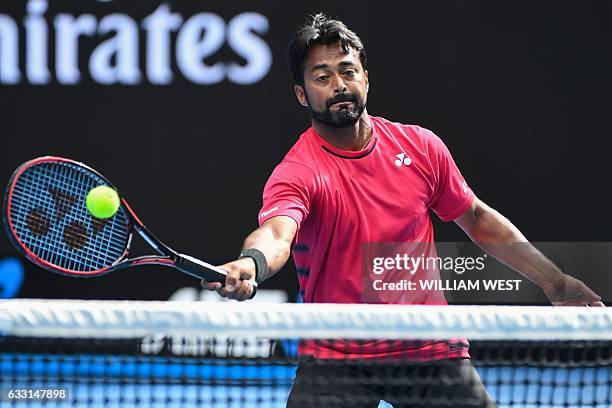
569, 291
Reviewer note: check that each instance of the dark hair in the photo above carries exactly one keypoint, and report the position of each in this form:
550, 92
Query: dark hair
321, 30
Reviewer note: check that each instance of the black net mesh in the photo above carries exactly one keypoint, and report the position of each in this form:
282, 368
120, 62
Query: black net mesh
202, 370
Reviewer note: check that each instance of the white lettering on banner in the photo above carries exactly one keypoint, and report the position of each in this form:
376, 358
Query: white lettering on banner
158, 26
192, 48
68, 30
115, 58
36, 47
123, 45
9, 51
250, 47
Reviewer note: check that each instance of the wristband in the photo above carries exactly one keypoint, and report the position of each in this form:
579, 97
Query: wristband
261, 265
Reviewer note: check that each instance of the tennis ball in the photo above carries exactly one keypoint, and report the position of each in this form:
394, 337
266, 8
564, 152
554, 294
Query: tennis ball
102, 202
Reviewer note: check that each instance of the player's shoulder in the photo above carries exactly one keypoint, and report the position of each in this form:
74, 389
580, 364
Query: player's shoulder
299, 160
415, 133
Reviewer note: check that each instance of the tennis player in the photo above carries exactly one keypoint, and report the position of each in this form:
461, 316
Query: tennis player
352, 178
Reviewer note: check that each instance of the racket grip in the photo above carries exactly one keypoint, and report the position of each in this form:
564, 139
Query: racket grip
203, 270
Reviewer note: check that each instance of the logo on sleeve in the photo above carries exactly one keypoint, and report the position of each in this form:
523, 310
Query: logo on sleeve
266, 213
402, 159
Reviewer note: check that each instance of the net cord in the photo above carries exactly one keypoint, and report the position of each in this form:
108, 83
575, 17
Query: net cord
100, 319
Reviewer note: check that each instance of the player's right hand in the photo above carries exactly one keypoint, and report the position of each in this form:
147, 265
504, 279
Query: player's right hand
239, 281
569, 291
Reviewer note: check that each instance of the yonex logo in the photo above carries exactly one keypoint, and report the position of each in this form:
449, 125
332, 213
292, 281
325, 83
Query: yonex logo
402, 158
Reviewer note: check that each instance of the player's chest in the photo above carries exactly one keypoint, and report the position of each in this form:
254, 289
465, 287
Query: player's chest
384, 182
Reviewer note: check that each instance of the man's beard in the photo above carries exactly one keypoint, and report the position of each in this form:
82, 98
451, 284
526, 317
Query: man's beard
342, 118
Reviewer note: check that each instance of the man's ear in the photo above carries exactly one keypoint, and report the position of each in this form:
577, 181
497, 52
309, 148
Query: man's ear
365, 73
300, 94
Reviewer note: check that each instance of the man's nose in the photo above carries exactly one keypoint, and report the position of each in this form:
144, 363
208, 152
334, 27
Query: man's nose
339, 84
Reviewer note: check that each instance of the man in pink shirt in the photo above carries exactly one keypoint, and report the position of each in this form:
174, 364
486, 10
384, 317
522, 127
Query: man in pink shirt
353, 179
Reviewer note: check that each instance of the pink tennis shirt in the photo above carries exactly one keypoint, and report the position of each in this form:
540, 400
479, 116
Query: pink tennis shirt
342, 199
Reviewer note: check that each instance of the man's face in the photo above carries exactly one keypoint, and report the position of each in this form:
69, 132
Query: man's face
335, 86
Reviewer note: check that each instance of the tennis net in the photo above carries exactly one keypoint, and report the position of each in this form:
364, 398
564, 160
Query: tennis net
192, 354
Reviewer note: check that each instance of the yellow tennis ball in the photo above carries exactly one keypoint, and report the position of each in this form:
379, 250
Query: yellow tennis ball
102, 202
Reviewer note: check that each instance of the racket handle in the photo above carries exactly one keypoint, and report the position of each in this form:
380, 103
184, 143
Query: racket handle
200, 269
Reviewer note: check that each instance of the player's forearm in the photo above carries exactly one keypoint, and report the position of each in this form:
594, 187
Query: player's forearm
271, 241
275, 247
500, 238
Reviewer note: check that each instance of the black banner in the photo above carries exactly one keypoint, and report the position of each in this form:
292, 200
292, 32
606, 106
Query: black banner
188, 106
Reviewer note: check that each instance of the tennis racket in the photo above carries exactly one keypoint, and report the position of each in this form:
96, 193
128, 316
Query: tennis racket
47, 220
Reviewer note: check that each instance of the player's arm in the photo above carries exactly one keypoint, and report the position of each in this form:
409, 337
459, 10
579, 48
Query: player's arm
495, 234
273, 238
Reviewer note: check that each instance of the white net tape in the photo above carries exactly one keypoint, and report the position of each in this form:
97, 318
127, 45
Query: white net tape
99, 319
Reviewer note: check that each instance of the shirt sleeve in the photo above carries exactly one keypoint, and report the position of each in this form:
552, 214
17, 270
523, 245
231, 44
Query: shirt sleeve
452, 196
287, 192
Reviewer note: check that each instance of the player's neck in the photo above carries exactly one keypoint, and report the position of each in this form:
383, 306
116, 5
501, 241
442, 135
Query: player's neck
352, 138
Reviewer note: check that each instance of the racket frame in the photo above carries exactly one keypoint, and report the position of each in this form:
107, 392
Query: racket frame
166, 255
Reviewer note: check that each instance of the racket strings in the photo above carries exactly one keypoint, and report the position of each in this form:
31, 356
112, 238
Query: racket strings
49, 217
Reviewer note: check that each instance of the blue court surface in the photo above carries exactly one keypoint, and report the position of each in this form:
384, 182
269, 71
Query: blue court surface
125, 381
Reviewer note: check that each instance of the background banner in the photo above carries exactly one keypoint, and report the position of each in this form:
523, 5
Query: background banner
188, 106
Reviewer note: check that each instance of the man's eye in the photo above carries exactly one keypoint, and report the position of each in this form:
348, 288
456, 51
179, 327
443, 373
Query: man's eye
349, 73
322, 78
